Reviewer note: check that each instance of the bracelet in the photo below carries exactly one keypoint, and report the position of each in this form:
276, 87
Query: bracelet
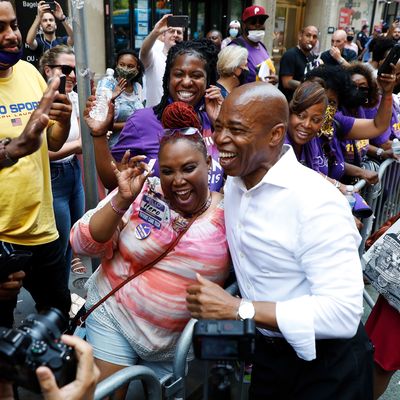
63, 19
103, 134
379, 152
337, 184
121, 212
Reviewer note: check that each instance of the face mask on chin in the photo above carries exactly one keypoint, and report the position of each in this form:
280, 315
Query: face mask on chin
256, 36
8, 59
233, 32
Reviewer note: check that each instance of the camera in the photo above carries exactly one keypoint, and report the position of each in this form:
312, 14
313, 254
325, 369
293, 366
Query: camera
35, 343
224, 339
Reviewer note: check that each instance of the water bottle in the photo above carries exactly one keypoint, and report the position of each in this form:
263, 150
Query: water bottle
396, 146
350, 195
104, 92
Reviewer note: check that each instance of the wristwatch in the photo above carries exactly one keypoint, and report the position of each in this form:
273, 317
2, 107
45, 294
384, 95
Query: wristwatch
5, 159
246, 310
63, 18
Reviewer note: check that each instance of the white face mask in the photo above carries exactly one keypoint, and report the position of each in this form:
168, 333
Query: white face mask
233, 32
256, 36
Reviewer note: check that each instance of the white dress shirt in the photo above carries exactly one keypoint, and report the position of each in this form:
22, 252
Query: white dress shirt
293, 241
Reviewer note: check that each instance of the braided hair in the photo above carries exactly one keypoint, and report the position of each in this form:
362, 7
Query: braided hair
204, 49
182, 115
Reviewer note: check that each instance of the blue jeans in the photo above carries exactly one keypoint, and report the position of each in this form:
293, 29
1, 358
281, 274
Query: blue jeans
68, 200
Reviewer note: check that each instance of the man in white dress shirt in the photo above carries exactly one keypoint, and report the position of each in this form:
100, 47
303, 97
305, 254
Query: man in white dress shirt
294, 245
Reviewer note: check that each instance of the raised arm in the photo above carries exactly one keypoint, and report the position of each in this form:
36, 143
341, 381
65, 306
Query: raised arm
148, 43
59, 14
370, 128
31, 35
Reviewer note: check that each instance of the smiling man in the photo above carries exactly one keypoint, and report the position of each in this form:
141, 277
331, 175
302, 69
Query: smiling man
300, 281
27, 217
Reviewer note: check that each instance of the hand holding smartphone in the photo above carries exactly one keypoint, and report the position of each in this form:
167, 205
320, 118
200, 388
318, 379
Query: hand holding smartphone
51, 4
392, 58
181, 21
61, 86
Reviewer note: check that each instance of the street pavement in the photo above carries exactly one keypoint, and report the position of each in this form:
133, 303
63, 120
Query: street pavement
25, 307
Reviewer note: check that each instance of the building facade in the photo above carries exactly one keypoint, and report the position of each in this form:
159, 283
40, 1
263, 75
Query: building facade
112, 25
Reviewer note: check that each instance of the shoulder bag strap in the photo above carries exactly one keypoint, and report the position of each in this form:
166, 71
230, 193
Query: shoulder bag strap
137, 273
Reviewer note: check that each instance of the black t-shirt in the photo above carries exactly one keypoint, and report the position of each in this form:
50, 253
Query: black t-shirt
363, 38
296, 64
348, 55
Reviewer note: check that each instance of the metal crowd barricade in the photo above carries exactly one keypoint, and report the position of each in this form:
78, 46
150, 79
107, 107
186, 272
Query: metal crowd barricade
171, 385
384, 200
126, 375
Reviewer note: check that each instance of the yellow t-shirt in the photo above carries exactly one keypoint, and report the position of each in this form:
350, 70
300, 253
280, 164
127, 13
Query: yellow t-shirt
26, 203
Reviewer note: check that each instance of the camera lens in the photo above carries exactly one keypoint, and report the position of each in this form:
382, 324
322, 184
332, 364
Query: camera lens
47, 325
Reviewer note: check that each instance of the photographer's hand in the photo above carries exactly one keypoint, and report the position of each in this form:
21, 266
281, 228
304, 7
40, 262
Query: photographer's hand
207, 300
6, 391
87, 375
10, 288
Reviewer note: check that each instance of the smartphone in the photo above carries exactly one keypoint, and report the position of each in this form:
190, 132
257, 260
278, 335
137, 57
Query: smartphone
391, 58
61, 86
14, 262
181, 21
51, 5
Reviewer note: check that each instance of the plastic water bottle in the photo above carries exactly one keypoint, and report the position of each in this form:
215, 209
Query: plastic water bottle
350, 195
396, 146
104, 92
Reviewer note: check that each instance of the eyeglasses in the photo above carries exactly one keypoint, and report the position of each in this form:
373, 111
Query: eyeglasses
65, 69
190, 133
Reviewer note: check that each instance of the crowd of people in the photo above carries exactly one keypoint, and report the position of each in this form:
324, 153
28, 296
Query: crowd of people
212, 157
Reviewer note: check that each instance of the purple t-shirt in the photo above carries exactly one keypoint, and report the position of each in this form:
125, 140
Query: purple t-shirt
257, 56
370, 113
141, 135
395, 121
355, 150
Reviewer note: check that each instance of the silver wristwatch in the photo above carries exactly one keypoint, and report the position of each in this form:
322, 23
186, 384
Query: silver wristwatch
246, 310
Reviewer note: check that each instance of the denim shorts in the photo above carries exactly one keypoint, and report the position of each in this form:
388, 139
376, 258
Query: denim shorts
111, 346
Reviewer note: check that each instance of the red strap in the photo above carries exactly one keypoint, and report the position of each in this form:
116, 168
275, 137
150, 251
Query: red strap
137, 273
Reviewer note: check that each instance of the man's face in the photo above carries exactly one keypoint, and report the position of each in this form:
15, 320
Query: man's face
396, 34
308, 38
339, 40
48, 23
242, 139
254, 24
215, 37
172, 36
10, 36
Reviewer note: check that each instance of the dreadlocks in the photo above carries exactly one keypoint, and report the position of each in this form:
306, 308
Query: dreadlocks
202, 48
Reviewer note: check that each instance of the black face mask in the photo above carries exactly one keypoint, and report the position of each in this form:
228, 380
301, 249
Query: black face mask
350, 38
243, 76
363, 93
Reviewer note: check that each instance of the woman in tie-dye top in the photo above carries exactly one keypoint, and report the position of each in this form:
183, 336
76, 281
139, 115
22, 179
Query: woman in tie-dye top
141, 322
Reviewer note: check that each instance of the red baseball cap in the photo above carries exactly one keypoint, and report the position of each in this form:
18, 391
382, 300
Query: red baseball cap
254, 11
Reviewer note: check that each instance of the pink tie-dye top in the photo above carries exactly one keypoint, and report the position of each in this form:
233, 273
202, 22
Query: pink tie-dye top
151, 310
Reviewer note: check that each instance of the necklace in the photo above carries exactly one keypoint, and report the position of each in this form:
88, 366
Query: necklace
180, 223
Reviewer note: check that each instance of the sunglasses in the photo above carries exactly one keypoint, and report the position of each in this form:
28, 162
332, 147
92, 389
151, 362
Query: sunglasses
257, 20
65, 69
190, 133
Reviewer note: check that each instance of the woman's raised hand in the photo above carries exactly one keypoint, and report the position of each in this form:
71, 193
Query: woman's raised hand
131, 175
98, 128
214, 100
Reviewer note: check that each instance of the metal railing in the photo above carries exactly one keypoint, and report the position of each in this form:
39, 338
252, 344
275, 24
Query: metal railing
171, 385
384, 200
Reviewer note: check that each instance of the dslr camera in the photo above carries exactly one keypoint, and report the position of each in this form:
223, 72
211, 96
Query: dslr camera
224, 339
35, 343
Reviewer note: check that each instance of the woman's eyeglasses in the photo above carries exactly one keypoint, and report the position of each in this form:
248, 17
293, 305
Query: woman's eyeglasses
65, 69
190, 133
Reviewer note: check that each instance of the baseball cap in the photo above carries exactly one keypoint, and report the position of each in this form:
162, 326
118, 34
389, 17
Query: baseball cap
234, 24
254, 11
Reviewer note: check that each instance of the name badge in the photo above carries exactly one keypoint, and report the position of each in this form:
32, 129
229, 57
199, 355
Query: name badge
154, 211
